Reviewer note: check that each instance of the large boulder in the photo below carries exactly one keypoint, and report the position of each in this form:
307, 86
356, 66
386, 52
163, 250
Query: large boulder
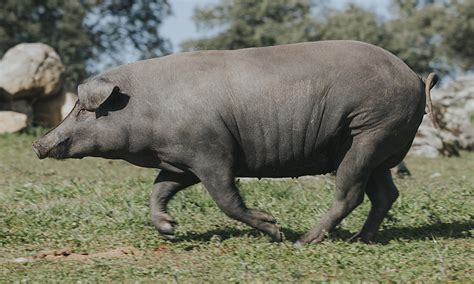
11, 121
453, 105
70, 100
21, 106
30, 70
50, 112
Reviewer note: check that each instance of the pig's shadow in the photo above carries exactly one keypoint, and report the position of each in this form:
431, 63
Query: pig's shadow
455, 230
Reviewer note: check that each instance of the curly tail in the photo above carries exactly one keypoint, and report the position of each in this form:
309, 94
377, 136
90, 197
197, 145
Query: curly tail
430, 81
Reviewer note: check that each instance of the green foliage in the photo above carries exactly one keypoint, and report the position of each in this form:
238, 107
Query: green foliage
94, 205
121, 27
457, 31
85, 30
249, 23
434, 33
411, 36
353, 23
428, 35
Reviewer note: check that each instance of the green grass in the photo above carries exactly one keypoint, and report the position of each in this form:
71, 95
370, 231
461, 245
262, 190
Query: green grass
93, 205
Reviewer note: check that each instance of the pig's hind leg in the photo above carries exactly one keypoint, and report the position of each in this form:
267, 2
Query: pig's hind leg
351, 180
382, 193
167, 184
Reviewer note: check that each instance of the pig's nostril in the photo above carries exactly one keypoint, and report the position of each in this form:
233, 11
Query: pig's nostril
36, 151
39, 150
57, 151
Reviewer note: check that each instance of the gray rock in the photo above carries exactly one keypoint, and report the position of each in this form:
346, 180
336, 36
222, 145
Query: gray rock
11, 121
21, 106
22, 260
69, 102
30, 70
51, 111
454, 106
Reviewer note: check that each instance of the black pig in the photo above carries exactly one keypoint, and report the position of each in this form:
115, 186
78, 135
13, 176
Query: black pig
282, 111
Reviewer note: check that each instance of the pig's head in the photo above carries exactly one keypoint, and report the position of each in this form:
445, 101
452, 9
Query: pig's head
96, 126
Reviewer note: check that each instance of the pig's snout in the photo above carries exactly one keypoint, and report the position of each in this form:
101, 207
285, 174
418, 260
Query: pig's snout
44, 148
40, 150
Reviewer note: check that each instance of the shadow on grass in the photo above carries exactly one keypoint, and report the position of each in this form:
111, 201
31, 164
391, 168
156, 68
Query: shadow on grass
437, 230
231, 232
455, 230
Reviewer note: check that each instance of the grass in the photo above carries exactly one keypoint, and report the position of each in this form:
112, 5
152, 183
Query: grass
94, 205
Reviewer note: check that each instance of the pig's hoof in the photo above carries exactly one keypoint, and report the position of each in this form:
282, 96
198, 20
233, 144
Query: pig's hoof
272, 230
278, 236
165, 225
262, 216
267, 224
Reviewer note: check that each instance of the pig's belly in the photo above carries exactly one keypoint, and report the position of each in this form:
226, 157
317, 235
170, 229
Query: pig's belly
314, 165
298, 151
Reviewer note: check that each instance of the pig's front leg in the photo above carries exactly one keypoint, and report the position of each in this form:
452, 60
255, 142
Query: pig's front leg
167, 184
221, 186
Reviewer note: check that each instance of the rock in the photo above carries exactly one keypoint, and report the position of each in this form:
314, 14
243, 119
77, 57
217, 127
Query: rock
453, 105
21, 106
51, 111
11, 121
30, 70
427, 141
69, 103
47, 113
22, 260
435, 175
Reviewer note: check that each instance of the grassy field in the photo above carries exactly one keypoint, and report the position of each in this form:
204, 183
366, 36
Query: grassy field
95, 205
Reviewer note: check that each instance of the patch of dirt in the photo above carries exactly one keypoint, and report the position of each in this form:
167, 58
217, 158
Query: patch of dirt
160, 249
68, 254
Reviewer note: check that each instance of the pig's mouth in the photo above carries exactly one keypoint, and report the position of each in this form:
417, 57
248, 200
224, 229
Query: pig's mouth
61, 150
58, 151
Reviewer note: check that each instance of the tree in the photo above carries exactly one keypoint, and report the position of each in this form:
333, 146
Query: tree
254, 23
433, 34
81, 31
427, 34
456, 30
131, 25
353, 23
412, 37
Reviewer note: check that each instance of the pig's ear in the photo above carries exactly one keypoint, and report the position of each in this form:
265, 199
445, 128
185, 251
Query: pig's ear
94, 93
